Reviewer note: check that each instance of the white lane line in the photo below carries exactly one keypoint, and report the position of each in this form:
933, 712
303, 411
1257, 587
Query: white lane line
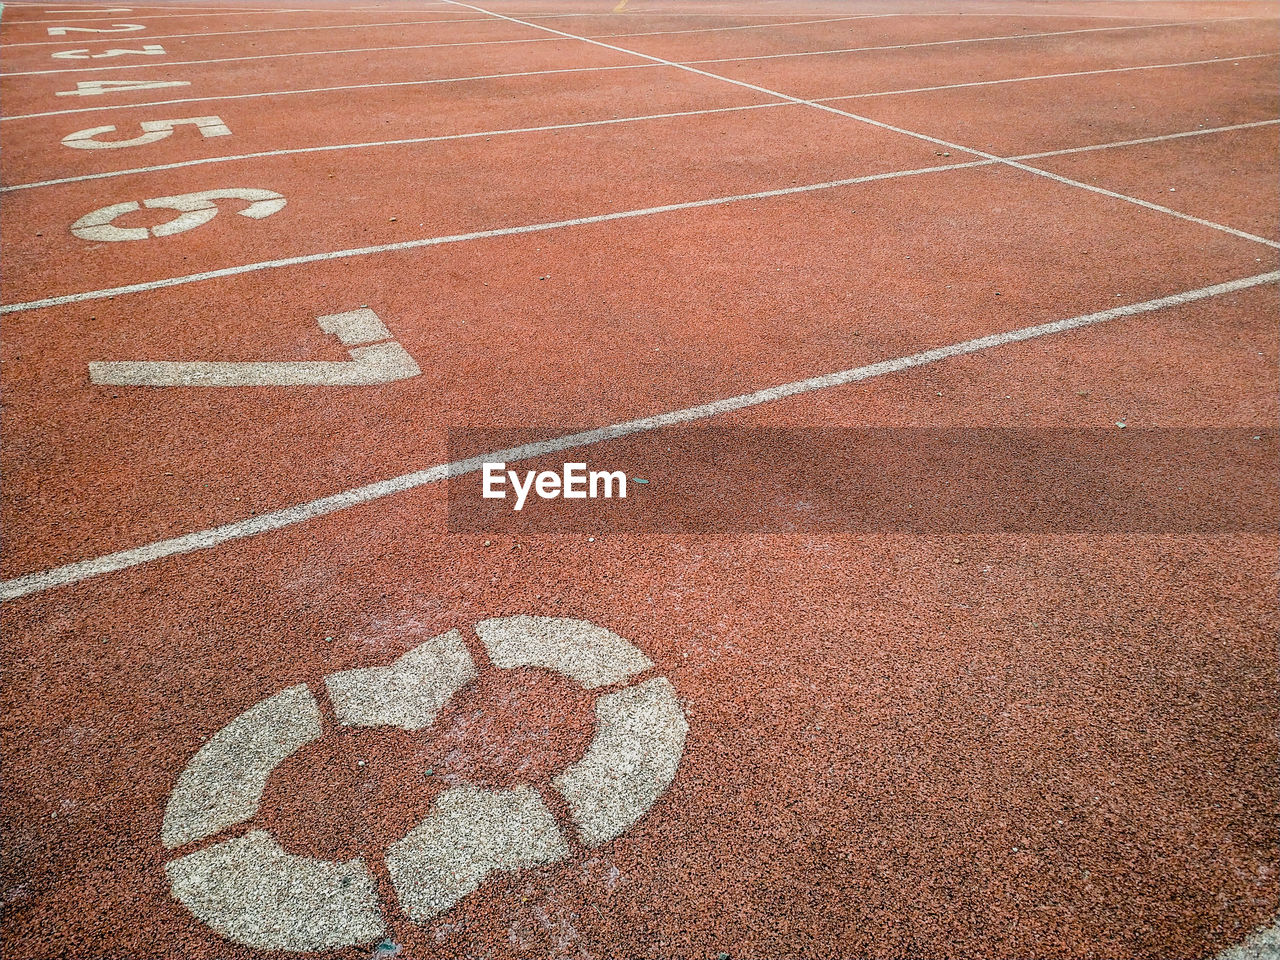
204, 539
1017, 165
233, 33
611, 121
943, 43
1045, 76
351, 86
164, 65
421, 46
462, 237
534, 73
391, 143
203, 12
745, 26
1141, 140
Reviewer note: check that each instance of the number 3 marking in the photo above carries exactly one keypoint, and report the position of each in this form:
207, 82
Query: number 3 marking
148, 50
119, 28
194, 209
153, 130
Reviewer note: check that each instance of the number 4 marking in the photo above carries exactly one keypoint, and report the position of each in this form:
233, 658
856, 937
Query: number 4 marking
152, 130
96, 88
372, 364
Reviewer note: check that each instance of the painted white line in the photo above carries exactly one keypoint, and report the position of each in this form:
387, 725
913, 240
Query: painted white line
943, 43
1141, 140
282, 56
202, 161
1044, 76
204, 12
233, 33
744, 26
1017, 165
351, 86
279, 519
392, 143
463, 237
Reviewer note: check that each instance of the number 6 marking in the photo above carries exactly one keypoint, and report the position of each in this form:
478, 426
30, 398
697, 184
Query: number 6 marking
153, 130
194, 209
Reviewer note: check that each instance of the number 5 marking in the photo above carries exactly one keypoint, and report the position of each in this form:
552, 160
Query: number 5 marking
153, 130
119, 28
383, 362
194, 209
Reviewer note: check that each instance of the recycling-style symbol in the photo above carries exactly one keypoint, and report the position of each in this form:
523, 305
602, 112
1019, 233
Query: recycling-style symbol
248, 888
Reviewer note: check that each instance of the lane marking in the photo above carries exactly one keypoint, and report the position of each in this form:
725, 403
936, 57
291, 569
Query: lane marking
902, 46
1044, 76
289, 151
1017, 165
114, 28
146, 50
372, 363
194, 210
287, 93
988, 160
152, 131
149, 285
96, 88
233, 33
279, 56
940, 43
301, 513
253, 892
1141, 140
201, 161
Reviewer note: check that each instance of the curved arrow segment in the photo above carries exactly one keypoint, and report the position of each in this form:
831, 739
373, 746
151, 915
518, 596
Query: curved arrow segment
254, 892
470, 833
630, 763
223, 783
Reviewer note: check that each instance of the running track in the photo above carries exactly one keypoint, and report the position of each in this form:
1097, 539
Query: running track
599, 228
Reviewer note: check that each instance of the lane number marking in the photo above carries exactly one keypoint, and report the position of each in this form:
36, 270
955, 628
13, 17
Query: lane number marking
153, 130
96, 88
374, 363
118, 28
147, 50
194, 210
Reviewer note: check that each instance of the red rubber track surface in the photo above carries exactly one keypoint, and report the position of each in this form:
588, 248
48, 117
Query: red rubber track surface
1013, 746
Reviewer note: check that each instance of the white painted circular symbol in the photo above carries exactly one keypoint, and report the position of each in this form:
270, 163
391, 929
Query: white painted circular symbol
251, 890
194, 209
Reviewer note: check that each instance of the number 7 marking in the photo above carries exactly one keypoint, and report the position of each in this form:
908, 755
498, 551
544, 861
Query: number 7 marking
369, 365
